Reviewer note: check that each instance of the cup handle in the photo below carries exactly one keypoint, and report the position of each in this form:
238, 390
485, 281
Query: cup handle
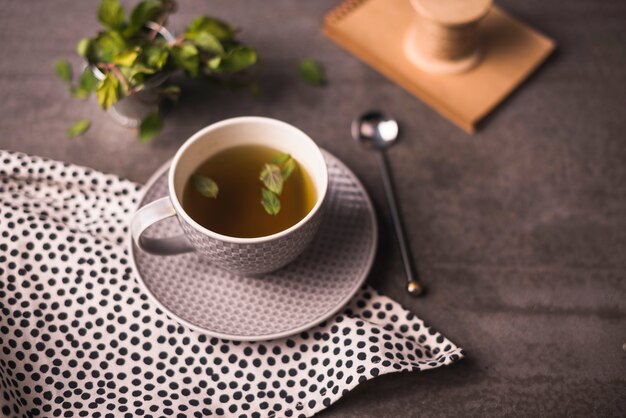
149, 214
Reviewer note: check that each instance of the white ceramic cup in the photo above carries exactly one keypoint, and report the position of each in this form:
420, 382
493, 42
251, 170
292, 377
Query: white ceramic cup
249, 256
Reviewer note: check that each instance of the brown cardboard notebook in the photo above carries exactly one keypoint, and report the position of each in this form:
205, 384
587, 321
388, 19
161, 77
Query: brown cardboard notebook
374, 31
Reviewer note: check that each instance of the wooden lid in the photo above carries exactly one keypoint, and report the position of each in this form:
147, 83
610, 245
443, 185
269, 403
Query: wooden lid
452, 12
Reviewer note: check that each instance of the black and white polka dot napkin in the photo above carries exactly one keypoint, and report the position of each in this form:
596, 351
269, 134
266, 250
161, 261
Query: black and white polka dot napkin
78, 338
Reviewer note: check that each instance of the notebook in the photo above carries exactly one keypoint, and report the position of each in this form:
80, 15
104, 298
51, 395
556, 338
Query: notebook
374, 31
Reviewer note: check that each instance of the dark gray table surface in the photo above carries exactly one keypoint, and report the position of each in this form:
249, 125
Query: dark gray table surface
519, 231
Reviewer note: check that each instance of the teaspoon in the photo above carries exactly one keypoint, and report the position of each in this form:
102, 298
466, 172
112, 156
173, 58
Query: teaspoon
377, 132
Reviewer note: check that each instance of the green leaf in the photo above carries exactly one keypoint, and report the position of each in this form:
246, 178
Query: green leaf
287, 168
205, 41
78, 93
78, 128
136, 73
105, 46
125, 58
206, 186
272, 178
270, 202
281, 158
286, 164
150, 127
186, 57
216, 27
154, 56
142, 13
108, 91
64, 70
82, 48
111, 14
312, 72
86, 84
235, 60
172, 92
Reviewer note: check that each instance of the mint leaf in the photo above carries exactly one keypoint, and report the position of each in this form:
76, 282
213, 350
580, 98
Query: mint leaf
312, 72
235, 60
82, 48
154, 56
111, 14
150, 127
108, 91
64, 70
205, 41
137, 73
285, 163
125, 58
86, 84
287, 168
78, 128
216, 27
206, 186
141, 14
186, 57
281, 158
272, 178
270, 202
105, 46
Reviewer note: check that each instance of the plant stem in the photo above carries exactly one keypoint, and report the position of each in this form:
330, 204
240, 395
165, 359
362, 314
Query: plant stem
117, 73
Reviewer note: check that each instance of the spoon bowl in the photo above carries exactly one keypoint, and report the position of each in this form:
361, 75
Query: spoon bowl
375, 130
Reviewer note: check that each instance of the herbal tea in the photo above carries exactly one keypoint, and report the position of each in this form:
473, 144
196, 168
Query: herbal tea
249, 191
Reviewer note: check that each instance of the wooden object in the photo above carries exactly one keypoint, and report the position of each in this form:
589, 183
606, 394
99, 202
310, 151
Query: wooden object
443, 37
376, 30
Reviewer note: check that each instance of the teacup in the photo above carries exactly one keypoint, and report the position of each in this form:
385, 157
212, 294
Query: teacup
247, 256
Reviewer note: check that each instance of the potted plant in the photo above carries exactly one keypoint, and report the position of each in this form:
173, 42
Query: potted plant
128, 63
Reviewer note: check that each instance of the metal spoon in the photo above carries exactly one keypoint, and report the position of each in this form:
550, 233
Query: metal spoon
375, 131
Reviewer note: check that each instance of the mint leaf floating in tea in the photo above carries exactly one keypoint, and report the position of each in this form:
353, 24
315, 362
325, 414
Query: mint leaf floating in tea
270, 202
150, 126
64, 70
285, 163
287, 168
78, 128
272, 178
204, 185
312, 72
281, 158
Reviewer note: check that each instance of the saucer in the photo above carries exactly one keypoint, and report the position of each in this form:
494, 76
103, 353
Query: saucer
297, 297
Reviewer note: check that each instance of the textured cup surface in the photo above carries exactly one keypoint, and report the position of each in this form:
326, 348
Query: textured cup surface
249, 256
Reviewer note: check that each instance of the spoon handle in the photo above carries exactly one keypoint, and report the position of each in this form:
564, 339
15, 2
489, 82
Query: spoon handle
413, 284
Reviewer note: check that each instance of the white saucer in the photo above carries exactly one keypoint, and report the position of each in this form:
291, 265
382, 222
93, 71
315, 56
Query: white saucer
299, 296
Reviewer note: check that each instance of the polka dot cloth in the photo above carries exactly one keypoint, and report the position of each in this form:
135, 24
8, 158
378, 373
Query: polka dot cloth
78, 338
